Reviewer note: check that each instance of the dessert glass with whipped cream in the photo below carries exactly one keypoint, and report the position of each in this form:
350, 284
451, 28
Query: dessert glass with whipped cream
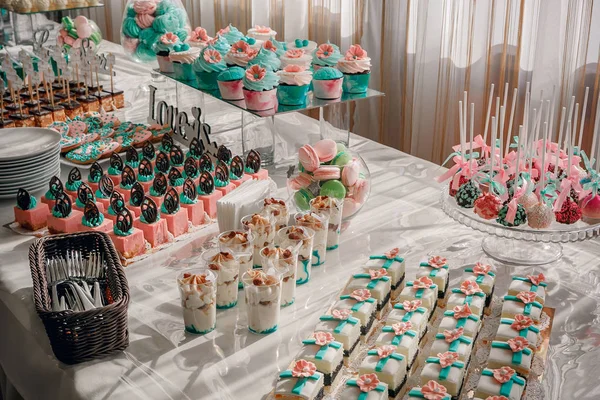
302, 238
263, 296
285, 261
198, 291
278, 210
320, 224
262, 228
331, 207
227, 268
240, 244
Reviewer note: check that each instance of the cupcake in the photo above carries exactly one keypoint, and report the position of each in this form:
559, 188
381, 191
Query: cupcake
207, 68
231, 34
261, 33
327, 83
199, 38
230, 83
296, 57
267, 59
294, 82
307, 46
220, 44
182, 60
326, 55
240, 54
356, 67
260, 87
166, 44
279, 48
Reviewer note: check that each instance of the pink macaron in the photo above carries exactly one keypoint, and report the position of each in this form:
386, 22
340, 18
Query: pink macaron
326, 173
326, 149
301, 181
308, 158
350, 173
361, 191
351, 206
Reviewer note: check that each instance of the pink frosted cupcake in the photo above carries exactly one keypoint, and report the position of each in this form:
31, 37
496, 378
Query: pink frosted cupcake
260, 88
327, 83
199, 38
240, 54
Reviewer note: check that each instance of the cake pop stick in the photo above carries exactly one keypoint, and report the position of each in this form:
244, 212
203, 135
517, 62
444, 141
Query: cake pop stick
511, 119
543, 169
487, 114
460, 129
574, 127
502, 115
595, 136
569, 147
493, 152
552, 114
471, 125
518, 161
97, 79
563, 114
110, 59
585, 100
571, 105
531, 146
37, 91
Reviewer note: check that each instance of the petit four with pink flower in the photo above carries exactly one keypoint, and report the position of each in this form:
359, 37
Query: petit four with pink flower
436, 268
461, 317
362, 305
500, 383
430, 391
411, 311
521, 325
388, 365
392, 263
403, 337
326, 353
469, 293
485, 276
453, 340
446, 369
344, 328
377, 281
523, 303
301, 382
530, 283
514, 353
367, 386
421, 289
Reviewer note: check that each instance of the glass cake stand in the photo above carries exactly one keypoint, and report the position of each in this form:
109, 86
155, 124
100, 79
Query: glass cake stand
522, 244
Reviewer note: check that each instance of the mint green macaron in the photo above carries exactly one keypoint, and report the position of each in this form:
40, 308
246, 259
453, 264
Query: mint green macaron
333, 188
341, 158
302, 198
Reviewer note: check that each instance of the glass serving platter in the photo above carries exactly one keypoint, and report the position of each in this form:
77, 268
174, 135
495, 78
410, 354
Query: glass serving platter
311, 101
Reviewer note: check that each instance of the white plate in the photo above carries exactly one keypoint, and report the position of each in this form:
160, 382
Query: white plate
29, 161
36, 168
23, 143
36, 181
28, 175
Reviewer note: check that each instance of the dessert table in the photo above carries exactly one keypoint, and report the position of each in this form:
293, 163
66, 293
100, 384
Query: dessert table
163, 362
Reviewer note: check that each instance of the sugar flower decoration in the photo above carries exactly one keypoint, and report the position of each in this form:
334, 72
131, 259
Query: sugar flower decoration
342, 315
325, 50
294, 53
521, 322
377, 273
212, 56
223, 31
536, 279
240, 47
361, 294
469, 288
433, 391
199, 35
169, 38
481, 269
503, 374
262, 29
462, 311
526, 297
386, 350
294, 68
256, 73
367, 382
448, 358
411, 305
303, 369
437, 261
268, 45
422, 283
355, 52
323, 338
400, 328
518, 344
451, 335
392, 253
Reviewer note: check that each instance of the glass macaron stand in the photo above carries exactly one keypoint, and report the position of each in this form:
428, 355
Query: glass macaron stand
334, 117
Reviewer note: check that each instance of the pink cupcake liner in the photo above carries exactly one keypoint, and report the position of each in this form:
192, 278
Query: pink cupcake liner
231, 90
328, 88
165, 64
265, 100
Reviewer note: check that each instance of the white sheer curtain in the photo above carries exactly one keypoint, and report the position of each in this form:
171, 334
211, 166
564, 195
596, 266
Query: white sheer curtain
425, 53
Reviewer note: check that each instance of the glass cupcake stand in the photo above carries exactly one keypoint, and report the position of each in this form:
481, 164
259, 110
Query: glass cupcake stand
520, 245
259, 127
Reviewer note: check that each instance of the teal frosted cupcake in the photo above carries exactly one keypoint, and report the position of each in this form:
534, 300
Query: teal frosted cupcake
207, 68
260, 86
327, 83
220, 44
294, 82
231, 34
326, 55
267, 59
169, 42
356, 67
230, 84
279, 48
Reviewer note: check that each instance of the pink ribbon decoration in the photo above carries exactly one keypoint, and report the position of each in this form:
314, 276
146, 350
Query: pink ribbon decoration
565, 190
513, 205
478, 143
459, 164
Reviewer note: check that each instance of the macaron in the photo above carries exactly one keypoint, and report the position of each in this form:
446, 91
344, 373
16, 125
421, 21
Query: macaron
350, 173
350, 207
308, 157
302, 199
333, 188
326, 172
361, 190
326, 149
342, 158
301, 181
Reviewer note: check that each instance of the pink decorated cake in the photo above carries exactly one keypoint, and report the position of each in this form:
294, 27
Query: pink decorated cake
29, 213
156, 231
207, 194
63, 218
171, 211
128, 241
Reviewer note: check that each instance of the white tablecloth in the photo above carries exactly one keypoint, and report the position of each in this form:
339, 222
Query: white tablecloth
162, 362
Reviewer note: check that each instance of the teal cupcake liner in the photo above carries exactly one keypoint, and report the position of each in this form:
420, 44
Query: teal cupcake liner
356, 83
207, 80
183, 71
291, 95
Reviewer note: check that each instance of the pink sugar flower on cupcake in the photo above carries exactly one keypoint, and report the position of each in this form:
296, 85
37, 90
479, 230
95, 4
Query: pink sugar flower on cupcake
240, 54
199, 38
356, 67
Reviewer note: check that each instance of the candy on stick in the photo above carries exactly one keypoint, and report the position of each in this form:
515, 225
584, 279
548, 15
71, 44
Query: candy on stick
569, 147
471, 124
493, 152
511, 119
585, 100
460, 129
488, 112
559, 142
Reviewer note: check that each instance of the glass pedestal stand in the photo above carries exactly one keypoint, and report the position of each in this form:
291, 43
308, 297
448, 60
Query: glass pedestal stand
521, 244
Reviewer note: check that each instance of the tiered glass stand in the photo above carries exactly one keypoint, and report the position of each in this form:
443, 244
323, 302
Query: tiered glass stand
521, 244
259, 127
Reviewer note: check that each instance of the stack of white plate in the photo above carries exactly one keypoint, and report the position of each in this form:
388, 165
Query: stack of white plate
29, 157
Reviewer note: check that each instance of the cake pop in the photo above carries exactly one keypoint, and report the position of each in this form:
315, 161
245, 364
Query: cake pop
520, 216
461, 181
487, 206
569, 212
591, 206
540, 216
467, 194
528, 200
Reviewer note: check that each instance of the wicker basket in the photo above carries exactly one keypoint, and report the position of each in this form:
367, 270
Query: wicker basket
78, 336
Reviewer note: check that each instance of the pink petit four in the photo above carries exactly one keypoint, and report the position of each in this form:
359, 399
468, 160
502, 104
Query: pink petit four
171, 211
128, 241
155, 229
30, 214
208, 195
253, 166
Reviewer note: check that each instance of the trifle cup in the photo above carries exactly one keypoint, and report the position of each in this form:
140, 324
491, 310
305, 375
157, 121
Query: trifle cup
240, 244
331, 207
198, 291
225, 265
285, 261
302, 238
263, 230
278, 210
263, 295
320, 224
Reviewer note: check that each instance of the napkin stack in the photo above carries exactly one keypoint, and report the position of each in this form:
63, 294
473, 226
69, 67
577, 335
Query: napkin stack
246, 199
